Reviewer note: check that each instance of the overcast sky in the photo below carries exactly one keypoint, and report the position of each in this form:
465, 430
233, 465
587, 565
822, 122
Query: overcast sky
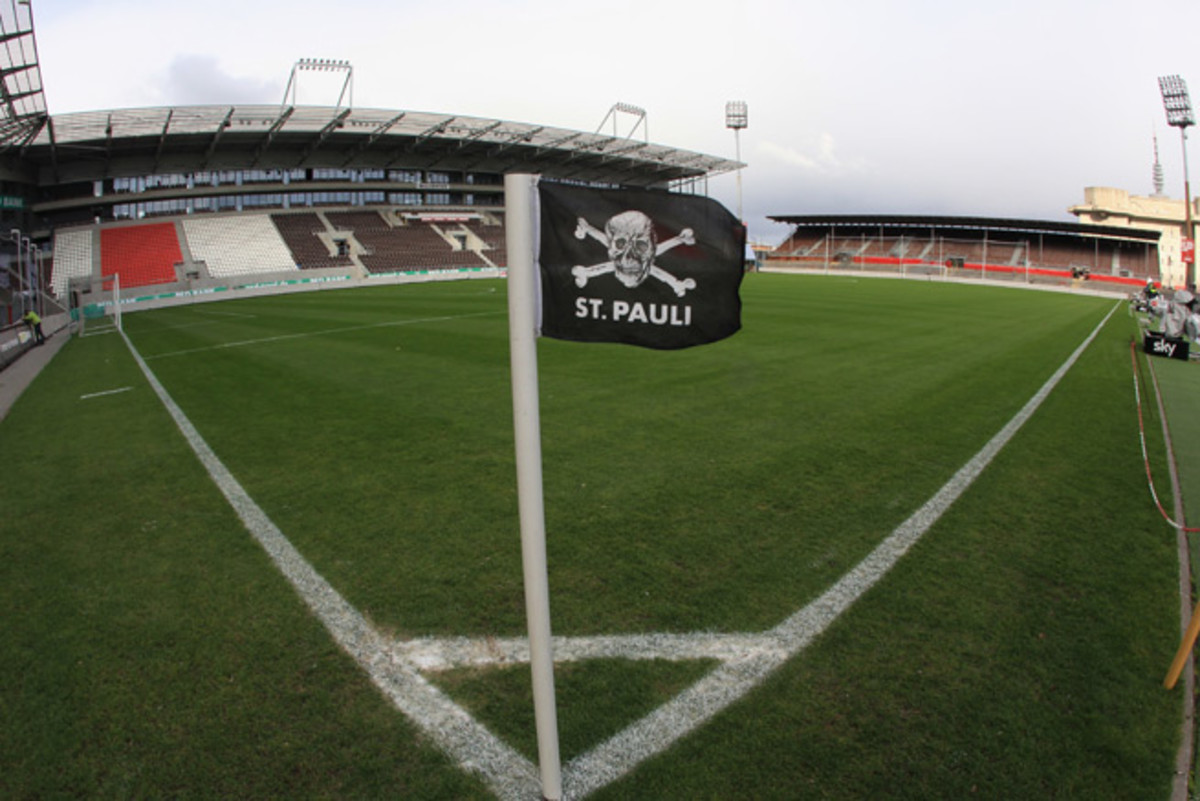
1004, 108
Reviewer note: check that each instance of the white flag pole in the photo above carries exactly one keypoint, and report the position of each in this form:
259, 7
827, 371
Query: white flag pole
522, 336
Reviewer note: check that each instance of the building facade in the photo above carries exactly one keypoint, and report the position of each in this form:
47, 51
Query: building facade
1103, 205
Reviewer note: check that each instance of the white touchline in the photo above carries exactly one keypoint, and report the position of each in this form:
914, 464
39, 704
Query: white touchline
746, 659
475, 748
735, 677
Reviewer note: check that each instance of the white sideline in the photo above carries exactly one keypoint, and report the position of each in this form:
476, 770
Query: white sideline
733, 679
475, 748
746, 659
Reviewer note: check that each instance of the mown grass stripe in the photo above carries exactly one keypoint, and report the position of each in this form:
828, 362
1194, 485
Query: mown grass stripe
324, 332
733, 679
456, 732
746, 659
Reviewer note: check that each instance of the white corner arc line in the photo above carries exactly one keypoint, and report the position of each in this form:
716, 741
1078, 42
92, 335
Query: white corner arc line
476, 749
746, 659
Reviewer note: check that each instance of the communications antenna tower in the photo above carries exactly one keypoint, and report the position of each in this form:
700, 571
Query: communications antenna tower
1159, 183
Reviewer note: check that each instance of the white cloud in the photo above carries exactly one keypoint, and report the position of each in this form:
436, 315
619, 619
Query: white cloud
818, 155
194, 79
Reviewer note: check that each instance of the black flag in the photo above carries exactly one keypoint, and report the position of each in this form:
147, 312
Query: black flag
639, 266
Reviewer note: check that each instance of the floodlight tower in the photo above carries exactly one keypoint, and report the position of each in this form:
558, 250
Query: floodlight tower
1178, 105
322, 65
631, 110
1158, 170
736, 118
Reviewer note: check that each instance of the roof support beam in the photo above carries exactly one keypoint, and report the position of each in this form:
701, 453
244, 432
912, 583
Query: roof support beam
212, 146
276, 126
372, 139
162, 139
431, 132
516, 140
558, 143
54, 172
108, 138
417, 141
34, 129
323, 134
466, 141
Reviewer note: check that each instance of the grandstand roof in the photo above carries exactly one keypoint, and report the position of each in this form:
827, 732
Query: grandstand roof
978, 224
22, 101
124, 142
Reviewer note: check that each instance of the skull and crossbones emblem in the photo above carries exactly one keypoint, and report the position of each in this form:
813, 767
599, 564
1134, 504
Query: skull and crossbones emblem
632, 248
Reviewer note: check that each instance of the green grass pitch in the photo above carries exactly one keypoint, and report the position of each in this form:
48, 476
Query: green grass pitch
151, 649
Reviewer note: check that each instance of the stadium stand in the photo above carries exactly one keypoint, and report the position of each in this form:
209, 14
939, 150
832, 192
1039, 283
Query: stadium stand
222, 248
493, 239
301, 232
72, 258
1029, 250
406, 246
141, 254
232, 246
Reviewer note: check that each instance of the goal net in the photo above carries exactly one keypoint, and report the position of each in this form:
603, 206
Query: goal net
96, 305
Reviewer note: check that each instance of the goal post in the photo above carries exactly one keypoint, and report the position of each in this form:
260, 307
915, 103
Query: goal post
96, 305
116, 301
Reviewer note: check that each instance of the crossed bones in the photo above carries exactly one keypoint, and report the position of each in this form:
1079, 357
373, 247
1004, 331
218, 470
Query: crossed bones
584, 274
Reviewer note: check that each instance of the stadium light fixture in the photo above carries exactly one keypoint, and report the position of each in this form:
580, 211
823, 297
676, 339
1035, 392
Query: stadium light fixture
322, 65
1177, 101
633, 111
1178, 105
737, 118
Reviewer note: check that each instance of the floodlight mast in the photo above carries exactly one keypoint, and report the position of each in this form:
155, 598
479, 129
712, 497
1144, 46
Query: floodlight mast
631, 110
737, 118
322, 65
1178, 105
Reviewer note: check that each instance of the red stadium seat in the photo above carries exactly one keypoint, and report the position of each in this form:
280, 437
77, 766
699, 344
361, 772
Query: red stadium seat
140, 254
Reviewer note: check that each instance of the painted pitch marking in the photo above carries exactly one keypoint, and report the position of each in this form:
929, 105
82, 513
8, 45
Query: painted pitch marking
476, 749
395, 666
283, 337
100, 332
210, 312
105, 392
203, 323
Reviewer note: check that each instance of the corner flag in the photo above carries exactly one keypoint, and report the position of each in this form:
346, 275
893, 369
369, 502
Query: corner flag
640, 266
648, 268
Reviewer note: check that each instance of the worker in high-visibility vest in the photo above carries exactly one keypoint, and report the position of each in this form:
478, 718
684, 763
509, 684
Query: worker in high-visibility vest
34, 322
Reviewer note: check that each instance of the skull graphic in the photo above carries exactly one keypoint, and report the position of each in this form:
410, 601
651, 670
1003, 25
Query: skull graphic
631, 246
